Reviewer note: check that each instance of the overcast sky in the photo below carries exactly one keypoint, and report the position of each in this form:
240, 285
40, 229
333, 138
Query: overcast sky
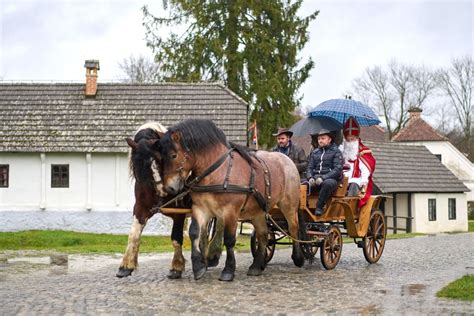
50, 39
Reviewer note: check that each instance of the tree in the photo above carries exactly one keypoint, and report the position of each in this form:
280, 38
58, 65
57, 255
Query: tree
139, 70
394, 90
457, 84
252, 46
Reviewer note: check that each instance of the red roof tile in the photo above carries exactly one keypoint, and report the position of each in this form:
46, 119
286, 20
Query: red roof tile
418, 130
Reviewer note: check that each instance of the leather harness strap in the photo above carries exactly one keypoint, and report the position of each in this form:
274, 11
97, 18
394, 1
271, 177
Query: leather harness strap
263, 201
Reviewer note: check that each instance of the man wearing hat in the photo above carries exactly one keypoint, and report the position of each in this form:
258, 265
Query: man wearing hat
295, 152
360, 161
324, 168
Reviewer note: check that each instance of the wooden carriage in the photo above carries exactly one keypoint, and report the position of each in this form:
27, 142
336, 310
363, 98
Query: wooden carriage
341, 217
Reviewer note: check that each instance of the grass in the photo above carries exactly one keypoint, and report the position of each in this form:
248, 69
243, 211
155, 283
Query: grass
461, 289
75, 242
470, 227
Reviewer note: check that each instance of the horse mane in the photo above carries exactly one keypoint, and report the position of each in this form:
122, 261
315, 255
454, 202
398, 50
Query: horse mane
196, 135
140, 160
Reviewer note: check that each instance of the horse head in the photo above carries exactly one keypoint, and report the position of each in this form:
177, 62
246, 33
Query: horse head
182, 145
145, 160
177, 162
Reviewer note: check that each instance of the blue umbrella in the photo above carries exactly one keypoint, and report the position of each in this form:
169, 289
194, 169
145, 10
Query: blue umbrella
342, 109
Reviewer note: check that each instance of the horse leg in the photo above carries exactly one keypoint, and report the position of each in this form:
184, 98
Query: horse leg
293, 229
230, 231
130, 258
215, 246
198, 235
261, 231
177, 264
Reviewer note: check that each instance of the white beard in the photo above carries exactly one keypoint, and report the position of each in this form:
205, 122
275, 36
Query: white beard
351, 149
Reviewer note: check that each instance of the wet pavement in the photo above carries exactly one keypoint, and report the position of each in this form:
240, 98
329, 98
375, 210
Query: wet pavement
405, 281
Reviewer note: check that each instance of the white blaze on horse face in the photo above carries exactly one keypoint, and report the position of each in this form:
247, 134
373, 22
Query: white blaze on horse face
158, 181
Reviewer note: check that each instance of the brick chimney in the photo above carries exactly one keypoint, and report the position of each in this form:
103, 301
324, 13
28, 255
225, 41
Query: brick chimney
414, 112
92, 67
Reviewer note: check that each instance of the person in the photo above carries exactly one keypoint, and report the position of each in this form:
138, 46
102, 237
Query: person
324, 168
287, 147
359, 162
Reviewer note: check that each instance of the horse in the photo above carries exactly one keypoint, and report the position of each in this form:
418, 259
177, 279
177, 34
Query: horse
144, 166
149, 193
227, 183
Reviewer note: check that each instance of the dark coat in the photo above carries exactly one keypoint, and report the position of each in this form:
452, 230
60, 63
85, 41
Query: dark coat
295, 153
331, 166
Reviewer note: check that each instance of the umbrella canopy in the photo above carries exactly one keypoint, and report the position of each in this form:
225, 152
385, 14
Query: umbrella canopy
342, 109
312, 125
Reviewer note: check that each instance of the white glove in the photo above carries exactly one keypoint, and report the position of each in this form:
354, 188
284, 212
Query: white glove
319, 180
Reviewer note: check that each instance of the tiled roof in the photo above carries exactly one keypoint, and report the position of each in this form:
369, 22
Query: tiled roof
418, 130
372, 133
405, 168
58, 118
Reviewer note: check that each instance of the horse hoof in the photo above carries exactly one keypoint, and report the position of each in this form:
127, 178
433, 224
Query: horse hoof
226, 276
123, 272
298, 261
199, 274
174, 274
254, 272
213, 262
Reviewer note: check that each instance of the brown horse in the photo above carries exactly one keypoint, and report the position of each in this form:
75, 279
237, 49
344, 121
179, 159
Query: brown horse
224, 186
149, 193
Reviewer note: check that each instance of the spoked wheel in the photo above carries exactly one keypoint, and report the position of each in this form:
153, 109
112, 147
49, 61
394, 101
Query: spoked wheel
270, 249
374, 241
331, 248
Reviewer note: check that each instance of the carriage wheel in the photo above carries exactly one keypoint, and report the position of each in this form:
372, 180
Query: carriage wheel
271, 244
374, 240
331, 248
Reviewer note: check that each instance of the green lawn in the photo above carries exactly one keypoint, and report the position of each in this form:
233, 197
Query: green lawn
461, 289
470, 226
74, 242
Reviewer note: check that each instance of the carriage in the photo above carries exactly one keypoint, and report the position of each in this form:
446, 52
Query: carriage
232, 183
366, 226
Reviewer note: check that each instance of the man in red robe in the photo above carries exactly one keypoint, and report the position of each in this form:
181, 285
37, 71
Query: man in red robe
359, 162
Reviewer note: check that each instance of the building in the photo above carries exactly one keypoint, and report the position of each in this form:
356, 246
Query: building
422, 194
63, 157
419, 132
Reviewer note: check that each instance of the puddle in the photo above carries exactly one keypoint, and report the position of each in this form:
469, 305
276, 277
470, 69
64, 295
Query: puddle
412, 289
60, 264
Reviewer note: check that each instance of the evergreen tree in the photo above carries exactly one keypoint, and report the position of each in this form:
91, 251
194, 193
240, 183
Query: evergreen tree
251, 46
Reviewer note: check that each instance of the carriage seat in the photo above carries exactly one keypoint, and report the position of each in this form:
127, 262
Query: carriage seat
312, 198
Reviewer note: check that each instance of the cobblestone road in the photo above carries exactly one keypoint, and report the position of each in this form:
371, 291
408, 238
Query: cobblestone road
405, 281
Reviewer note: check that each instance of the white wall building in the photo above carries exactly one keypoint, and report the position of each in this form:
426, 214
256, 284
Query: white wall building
63, 157
425, 197
419, 132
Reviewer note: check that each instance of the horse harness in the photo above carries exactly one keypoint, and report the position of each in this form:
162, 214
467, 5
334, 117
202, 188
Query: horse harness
226, 187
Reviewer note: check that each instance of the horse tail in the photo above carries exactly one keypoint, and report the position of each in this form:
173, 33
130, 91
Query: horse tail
244, 152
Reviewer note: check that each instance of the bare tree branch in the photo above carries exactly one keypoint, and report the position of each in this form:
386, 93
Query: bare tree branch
139, 70
393, 91
457, 84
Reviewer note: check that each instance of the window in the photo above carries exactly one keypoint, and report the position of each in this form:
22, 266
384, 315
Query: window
451, 208
439, 157
431, 209
60, 176
4, 176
